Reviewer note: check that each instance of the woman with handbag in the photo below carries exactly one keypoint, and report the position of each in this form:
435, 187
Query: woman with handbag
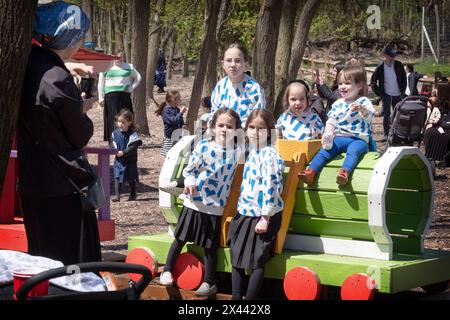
52, 130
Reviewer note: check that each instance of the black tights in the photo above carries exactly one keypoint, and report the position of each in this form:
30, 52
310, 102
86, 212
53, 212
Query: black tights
210, 260
118, 187
254, 283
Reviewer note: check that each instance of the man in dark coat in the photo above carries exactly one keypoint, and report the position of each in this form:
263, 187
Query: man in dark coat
389, 82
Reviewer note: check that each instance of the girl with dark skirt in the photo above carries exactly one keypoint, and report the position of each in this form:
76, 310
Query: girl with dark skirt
254, 229
208, 178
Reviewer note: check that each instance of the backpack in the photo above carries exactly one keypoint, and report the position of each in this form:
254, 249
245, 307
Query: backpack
408, 121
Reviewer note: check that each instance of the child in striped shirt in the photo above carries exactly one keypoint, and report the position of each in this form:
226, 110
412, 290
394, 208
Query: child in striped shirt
253, 230
298, 122
208, 178
348, 128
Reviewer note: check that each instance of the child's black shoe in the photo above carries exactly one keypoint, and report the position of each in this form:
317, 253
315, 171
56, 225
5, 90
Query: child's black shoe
132, 197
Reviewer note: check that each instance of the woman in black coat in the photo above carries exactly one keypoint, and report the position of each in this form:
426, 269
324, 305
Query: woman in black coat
52, 130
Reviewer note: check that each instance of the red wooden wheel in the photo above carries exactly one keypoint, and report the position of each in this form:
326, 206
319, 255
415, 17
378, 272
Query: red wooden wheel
301, 284
188, 271
145, 257
358, 286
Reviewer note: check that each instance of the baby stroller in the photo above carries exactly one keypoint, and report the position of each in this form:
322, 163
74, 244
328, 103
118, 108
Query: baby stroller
131, 293
408, 122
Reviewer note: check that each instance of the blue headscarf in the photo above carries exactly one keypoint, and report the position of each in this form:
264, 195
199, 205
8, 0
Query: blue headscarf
59, 25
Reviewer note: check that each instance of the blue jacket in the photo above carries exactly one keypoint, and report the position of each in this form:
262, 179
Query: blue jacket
173, 119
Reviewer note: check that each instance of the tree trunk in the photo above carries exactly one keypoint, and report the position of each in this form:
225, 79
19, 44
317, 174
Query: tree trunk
283, 55
301, 37
185, 66
211, 73
86, 5
173, 45
110, 33
15, 40
129, 28
154, 43
141, 14
264, 52
212, 8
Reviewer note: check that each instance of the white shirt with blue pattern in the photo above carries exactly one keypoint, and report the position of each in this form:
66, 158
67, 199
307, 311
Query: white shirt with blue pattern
243, 98
262, 183
305, 126
352, 124
211, 169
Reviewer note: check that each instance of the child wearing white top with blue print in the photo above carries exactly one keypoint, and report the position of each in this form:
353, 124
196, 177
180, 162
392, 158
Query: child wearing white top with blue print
348, 128
298, 122
253, 230
237, 91
208, 178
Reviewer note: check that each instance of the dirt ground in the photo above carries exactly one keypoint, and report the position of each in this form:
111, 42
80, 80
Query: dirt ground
143, 216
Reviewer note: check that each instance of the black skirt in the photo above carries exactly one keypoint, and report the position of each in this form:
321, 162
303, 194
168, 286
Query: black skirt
114, 102
436, 144
248, 249
201, 228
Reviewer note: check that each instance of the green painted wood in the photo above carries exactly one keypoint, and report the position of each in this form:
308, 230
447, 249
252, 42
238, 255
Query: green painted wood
410, 162
368, 161
331, 204
405, 224
408, 245
326, 180
317, 226
403, 273
180, 168
408, 202
169, 215
410, 180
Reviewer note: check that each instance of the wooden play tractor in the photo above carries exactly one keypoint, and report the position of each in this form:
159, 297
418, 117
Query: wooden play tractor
365, 237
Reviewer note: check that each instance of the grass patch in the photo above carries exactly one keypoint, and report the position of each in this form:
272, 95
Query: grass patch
429, 67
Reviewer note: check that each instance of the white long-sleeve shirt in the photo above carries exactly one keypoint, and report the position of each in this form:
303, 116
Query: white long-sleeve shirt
305, 126
242, 98
262, 183
352, 124
118, 78
211, 169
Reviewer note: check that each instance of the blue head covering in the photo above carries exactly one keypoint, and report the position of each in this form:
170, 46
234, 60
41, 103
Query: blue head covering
59, 25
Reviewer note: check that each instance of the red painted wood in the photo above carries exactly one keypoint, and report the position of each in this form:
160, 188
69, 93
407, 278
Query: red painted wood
302, 283
145, 257
358, 286
8, 195
13, 237
188, 271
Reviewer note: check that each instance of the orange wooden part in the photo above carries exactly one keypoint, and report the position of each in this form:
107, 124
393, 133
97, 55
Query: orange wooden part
289, 194
302, 283
145, 257
188, 271
230, 209
358, 286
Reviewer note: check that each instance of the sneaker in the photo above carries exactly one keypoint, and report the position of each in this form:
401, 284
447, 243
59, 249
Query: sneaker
308, 176
172, 188
132, 197
166, 278
115, 198
206, 290
342, 177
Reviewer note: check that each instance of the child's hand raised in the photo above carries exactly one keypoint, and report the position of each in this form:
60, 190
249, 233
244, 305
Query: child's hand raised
355, 107
120, 154
183, 110
261, 226
190, 190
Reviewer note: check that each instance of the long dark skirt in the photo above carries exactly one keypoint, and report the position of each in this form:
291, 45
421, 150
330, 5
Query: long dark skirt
53, 227
248, 249
201, 228
436, 144
114, 102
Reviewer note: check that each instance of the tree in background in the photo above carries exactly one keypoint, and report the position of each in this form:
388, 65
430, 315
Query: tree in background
139, 40
15, 46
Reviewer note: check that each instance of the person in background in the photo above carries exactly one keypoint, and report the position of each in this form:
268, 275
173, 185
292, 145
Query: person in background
160, 72
412, 78
389, 82
114, 91
127, 141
